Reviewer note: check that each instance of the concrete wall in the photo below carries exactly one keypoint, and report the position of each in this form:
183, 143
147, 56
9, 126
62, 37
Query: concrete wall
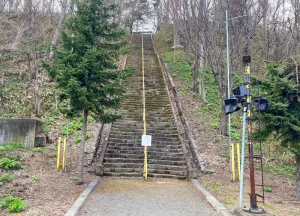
20, 130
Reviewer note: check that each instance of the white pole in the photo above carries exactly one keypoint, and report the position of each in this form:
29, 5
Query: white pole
243, 157
228, 85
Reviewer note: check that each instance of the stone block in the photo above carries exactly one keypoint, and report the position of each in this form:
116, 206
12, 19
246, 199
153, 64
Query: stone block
20, 130
40, 140
99, 170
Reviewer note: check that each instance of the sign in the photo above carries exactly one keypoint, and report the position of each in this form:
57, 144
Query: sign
146, 140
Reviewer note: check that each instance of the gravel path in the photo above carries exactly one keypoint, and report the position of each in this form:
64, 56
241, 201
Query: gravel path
135, 197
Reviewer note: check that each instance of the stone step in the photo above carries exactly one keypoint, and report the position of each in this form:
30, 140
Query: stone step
138, 139
139, 131
141, 152
181, 172
170, 146
140, 165
124, 155
150, 161
138, 134
170, 157
141, 148
155, 136
116, 174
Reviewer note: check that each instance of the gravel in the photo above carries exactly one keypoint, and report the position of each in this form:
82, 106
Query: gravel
132, 197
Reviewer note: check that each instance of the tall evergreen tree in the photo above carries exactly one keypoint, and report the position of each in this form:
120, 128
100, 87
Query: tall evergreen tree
85, 64
283, 118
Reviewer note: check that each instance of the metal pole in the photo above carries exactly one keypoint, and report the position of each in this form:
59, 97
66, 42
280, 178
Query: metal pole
243, 156
228, 85
253, 201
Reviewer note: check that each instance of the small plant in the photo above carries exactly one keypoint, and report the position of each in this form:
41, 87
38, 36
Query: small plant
35, 179
77, 139
73, 126
6, 163
74, 178
268, 189
14, 145
6, 178
90, 119
88, 136
39, 149
13, 204
215, 125
46, 129
6, 115
256, 147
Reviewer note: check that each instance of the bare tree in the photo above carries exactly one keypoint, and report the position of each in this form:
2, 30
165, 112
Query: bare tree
61, 20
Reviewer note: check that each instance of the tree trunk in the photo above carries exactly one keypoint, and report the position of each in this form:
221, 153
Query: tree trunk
223, 123
25, 24
194, 73
61, 20
72, 6
82, 147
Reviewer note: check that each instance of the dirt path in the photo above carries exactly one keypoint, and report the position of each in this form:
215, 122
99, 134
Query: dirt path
120, 197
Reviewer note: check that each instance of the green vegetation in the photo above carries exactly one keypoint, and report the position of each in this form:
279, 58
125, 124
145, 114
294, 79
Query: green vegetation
281, 170
6, 163
88, 136
6, 178
73, 126
268, 189
214, 186
77, 139
85, 67
13, 204
35, 179
228, 202
180, 67
11, 146
39, 149
282, 121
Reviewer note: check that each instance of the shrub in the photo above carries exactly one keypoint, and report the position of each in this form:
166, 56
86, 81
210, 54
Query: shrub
14, 145
6, 163
13, 204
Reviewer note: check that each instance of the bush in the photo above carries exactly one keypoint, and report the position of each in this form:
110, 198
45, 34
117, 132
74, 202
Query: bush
13, 204
12, 145
6, 163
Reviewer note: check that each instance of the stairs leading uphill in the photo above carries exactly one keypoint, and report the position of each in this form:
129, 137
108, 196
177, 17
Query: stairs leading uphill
124, 154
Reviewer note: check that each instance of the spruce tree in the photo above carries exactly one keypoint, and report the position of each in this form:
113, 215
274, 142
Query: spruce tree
85, 64
283, 118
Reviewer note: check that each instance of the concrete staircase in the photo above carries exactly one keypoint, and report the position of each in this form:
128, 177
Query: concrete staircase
124, 153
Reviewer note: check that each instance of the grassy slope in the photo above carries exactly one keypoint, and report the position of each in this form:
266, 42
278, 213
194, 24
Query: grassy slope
278, 162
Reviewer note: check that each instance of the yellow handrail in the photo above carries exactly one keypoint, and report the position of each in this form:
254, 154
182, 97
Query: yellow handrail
144, 111
238, 160
232, 163
58, 155
64, 155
